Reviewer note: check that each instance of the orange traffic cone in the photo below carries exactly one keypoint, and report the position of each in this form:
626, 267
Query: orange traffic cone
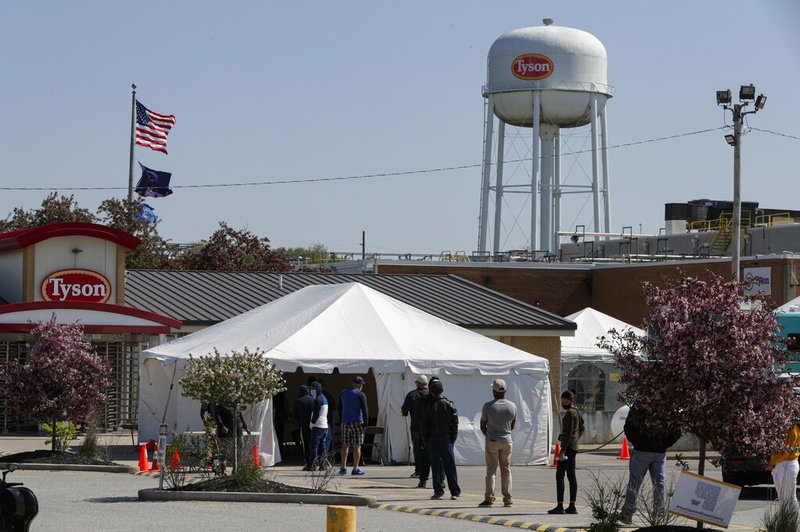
143, 467
624, 454
175, 461
256, 457
155, 467
555, 454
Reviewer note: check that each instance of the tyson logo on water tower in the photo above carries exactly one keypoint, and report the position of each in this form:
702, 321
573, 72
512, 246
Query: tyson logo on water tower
76, 285
532, 66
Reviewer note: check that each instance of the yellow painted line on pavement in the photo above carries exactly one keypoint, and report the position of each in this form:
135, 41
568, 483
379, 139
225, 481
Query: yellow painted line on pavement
497, 520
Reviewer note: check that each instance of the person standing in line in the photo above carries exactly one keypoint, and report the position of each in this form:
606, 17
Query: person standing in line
498, 418
354, 415
229, 429
438, 431
319, 429
410, 408
302, 411
331, 417
571, 431
784, 469
650, 444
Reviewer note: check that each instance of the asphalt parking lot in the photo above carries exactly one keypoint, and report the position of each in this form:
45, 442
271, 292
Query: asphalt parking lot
102, 501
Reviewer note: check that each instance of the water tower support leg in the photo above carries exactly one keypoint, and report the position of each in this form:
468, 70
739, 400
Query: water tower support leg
556, 191
604, 153
535, 164
595, 168
487, 166
498, 189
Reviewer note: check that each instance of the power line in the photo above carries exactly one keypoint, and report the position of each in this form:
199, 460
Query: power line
775, 133
366, 176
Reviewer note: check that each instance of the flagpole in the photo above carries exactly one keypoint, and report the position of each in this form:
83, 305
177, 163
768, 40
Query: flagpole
133, 125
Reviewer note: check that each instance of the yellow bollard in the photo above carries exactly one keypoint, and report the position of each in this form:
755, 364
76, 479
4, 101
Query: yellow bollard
341, 519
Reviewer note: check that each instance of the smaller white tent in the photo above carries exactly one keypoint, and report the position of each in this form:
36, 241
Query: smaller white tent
592, 324
355, 328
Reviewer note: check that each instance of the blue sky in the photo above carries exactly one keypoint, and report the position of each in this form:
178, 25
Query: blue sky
269, 91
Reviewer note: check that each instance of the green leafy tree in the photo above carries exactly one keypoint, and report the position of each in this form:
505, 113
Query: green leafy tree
229, 249
54, 208
119, 214
312, 254
116, 213
710, 365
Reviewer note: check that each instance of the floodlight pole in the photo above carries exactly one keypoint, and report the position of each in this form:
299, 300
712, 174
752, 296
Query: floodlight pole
737, 194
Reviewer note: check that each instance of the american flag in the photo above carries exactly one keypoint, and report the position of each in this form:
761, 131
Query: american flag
152, 128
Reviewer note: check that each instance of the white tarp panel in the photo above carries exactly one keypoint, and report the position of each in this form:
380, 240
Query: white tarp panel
354, 328
592, 324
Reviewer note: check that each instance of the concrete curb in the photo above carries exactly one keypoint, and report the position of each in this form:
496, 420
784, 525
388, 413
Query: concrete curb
74, 467
154, 494
477, 518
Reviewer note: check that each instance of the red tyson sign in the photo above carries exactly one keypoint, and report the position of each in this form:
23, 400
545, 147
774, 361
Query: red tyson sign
76, 285
532, 66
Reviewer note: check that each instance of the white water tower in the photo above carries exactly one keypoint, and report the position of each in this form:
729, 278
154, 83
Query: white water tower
546, 78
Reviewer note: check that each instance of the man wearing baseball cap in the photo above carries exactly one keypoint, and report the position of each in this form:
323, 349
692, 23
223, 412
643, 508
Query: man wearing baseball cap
411, 408
354, 416
498, 418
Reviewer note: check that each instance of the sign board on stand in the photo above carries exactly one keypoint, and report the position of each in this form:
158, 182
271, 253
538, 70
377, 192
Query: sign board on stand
704, 499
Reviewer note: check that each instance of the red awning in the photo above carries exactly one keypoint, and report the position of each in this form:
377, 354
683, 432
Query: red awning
97, 318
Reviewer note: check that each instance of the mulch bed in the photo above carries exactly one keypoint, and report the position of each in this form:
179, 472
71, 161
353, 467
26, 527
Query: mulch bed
673, 528
229, 484
50, 457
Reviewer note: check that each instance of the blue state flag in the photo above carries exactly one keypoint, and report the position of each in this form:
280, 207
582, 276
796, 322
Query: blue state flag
147, 214
153, 183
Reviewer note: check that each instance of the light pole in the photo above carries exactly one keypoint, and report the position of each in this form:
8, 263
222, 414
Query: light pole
747, 93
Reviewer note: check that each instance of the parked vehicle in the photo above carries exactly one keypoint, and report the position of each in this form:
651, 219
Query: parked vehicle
748, 470
18, 504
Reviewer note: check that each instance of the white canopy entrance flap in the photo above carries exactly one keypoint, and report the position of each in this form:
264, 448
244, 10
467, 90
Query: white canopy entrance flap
355, 328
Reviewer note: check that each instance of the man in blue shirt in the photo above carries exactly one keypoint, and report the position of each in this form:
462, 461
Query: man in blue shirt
354, 417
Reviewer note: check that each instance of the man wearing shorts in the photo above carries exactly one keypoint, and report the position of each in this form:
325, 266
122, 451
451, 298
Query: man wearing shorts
354, 417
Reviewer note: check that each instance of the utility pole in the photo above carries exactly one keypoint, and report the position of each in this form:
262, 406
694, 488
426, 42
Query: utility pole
363, 245
747, 93
737, 192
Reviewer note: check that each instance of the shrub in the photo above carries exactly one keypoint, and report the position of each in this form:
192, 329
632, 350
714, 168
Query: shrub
64, 433
606, 497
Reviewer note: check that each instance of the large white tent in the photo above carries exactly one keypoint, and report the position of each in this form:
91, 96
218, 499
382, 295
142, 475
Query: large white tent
355, 328
592, 324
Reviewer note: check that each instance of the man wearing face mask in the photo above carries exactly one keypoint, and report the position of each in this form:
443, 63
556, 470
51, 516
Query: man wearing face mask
571, 431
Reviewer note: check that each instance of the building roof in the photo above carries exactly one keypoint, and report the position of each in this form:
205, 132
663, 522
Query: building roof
206, 297
21, 238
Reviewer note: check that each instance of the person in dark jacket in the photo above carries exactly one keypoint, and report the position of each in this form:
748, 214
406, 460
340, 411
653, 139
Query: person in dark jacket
302, 411
229, 428
571, 430
650, 443
410, 409
438, 430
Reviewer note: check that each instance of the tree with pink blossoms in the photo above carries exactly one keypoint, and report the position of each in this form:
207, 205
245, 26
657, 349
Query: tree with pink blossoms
710, 365
62, 378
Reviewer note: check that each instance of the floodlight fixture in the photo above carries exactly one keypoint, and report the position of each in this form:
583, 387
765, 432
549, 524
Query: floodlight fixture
724, 97
747, 92
760, 101
730, 139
